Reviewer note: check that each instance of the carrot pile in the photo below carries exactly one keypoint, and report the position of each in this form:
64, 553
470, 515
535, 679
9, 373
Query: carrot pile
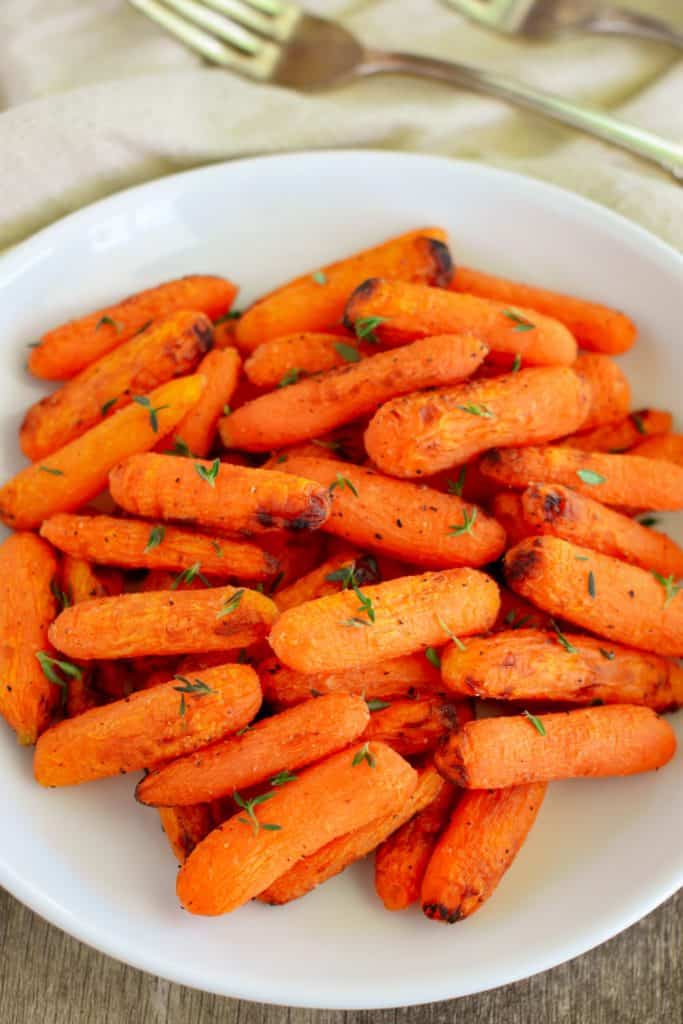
272, 559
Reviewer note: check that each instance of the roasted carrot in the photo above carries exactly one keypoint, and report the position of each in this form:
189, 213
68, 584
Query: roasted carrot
516, 613
168, 348
618, 601
163, 622
623, 435
218, 496
608, 389
224, 332
315, 301
484, 835
409, 311
402, 859
596, 327
185, 827
296, 555
66, 350
630, 480
667, 448
413, 726
273, 748
78, 581
354, 629
416, 524
148, 727
198, 429
114, 679
327, 578
76, 473
537, 666
409, 676
618, 739
506, 507
300, 354
310, 407
28, 570
242, 857
336, 855
422, 433
561, 512
135, 544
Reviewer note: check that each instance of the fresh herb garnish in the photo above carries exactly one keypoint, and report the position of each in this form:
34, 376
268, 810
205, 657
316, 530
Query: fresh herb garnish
365, 602
290, 377
590, 477
341, 482
377, 705
363, 755
670, 587
107, 321
280, 459
217, 548
52, 472
638, 423
60, 596
248, 806
107, 405
319, 277
517, 363
333, 446
245, 728
432, 656
144, 401
567, 644
53, 666
227, 411
521, 324
476, 410
345, 575
188, 575
536, 722
455, 639
197, 687
231, 604
180, 448
208, 475
233, 314
354, 621
156, 535
468, 520
366, 326
144, 327
282, 778
348, 353
648, 521
591, 583
610, 655
456, 486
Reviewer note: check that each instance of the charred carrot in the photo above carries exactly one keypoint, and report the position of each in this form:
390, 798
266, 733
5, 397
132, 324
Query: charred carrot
315, 301
163, 622
274, 748
216, 495
423, 433
356, 628
623, 435
148, 727
618, 739
310, 407
630, 480
668, 448
169, 348
484, 835
414, 726
608, 390
198, 429
404, 312
561, 512
185, 827
537, 666
243, 857
327, 578
299, 355
76, 473
66, 350
396, 517
135, 544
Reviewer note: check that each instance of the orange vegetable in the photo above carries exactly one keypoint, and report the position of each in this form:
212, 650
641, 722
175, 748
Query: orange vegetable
199, 427
163, 622
228, 498
79, 582
185, 827
414, 726
397, 617
310, 407
274, 747
66, 350
422, 433
315, 301
135, 544
506, 507
608, 390
516, 613
618, 739
413, 523
241, 858
623, 435
667, 448
305, 352
148, 727
316, 583
168, 348
410, 311
483, 837
529, 665
76, 473
224, 332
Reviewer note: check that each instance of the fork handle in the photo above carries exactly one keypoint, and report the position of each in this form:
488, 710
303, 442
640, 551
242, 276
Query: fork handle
615, 21
662, 152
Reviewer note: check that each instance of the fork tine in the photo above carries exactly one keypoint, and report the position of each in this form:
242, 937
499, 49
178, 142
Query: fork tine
217, 25
267, 17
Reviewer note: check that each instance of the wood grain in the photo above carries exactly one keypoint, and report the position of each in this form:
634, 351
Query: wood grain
45, 976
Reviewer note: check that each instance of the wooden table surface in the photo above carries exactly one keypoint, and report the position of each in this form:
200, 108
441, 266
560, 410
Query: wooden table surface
48, 978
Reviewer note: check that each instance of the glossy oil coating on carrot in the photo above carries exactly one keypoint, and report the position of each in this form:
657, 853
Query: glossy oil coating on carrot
630, 480
667, 448
315, 405
536, 666
135, 544
327, 862
414, 726
303, 353
168, 348
315, 301
409, 676
618, 739
623, 435
199, 427
234, 499
630, 606
414, 523
608, 389
423, 433
76, 473
317, 582
561, 512
484, 835
409, 311
397, 617
66, 350
27, 607
148, 727
276, 746
596, 327
185, 827
163, 622
242, 857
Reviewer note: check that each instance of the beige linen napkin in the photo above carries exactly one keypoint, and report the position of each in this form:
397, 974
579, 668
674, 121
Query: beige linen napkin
97, 99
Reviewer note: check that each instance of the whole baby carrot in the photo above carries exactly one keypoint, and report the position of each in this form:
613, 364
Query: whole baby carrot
608, 389
416, 726
623, 435
506, 507
185, 827
299, 354
197, 431
327, 578
667, 448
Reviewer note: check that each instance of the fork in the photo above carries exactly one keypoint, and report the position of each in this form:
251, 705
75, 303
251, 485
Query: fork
274, 41
538, 18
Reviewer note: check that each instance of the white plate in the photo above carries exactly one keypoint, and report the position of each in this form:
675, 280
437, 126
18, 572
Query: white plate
91, 860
